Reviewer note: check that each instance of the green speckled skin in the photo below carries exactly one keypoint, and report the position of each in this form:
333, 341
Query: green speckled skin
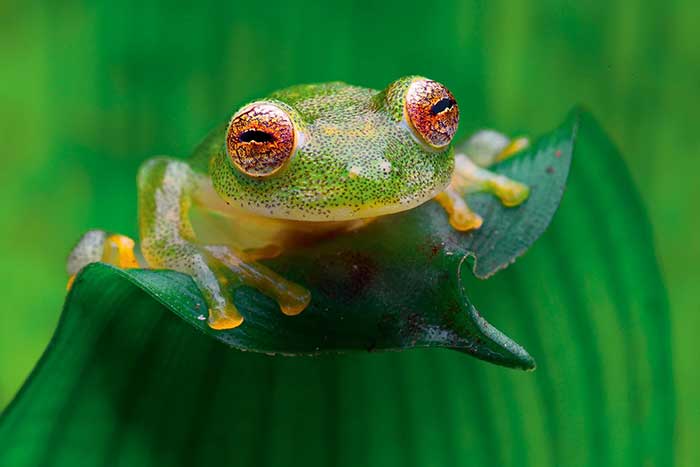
345, 128
355, 158
348, 154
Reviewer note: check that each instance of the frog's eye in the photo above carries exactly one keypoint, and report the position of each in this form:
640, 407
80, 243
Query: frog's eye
260, 139
431, 111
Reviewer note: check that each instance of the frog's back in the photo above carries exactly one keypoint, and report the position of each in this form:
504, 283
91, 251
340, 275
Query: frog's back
325, 100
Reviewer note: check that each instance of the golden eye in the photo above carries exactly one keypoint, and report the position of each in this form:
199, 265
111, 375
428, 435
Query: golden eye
431, 111
260, 139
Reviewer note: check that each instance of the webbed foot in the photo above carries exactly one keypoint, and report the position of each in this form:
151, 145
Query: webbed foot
218, 271
481, 150
291, 298
461, 217
98, 245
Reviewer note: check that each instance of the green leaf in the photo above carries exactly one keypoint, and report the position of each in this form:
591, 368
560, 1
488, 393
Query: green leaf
125, 382
395, 284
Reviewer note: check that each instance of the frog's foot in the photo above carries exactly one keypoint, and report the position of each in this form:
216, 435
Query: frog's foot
461, 217
292, 298
487, 147
467, 178
98, 245
218, 271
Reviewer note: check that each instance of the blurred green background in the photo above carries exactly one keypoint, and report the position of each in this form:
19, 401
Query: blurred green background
88, 90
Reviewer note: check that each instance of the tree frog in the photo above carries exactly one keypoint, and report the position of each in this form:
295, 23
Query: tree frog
303, 164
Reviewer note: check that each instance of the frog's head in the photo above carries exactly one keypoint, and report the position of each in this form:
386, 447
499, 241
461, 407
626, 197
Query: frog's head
332, 152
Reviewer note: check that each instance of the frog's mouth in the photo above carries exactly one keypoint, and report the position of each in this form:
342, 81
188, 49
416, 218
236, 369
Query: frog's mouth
314, 207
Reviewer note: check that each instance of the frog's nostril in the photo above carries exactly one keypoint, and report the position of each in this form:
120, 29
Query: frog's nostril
443, 104
255, 135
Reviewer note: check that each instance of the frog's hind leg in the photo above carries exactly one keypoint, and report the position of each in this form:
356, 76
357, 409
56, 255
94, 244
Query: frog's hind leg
98, 245
483, 149
469, 178
488, 147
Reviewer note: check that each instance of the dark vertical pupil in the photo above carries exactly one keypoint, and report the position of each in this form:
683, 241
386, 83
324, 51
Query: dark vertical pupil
443, 104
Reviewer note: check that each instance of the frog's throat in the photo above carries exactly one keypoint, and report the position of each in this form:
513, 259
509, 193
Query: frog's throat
207, 195
342, 213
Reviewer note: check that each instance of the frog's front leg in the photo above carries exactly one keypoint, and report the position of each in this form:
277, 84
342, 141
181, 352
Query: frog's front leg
169, 241
481, 150
291, 298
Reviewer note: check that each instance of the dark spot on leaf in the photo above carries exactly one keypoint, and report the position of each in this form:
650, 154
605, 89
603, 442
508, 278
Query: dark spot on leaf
431, 247
412, 327
346, 275
452, 311
550, 170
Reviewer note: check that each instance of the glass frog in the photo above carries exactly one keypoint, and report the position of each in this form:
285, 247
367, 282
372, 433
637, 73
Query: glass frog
302, 165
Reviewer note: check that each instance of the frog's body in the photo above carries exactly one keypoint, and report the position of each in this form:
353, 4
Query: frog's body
304, 164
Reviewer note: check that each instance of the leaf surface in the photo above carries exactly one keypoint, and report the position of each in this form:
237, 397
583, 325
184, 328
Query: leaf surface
395, 284
126, 382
